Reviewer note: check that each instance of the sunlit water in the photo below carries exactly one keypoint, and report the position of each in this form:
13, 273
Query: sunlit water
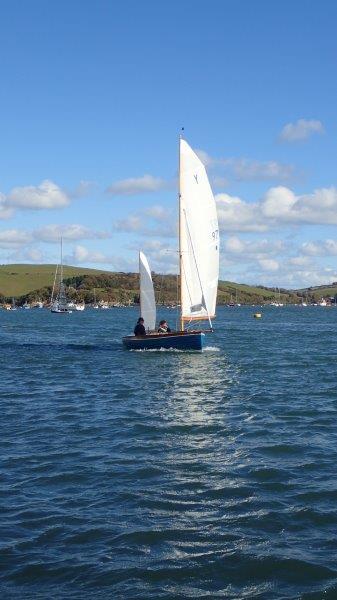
169, 474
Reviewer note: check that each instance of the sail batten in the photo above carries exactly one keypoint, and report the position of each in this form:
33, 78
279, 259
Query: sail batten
199, 238
147, 298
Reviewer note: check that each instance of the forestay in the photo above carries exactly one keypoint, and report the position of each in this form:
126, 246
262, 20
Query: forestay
147, 299
199, 238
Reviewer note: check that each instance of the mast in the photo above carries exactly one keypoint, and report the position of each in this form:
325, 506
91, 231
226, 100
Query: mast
140, 291
180, 252
62, 296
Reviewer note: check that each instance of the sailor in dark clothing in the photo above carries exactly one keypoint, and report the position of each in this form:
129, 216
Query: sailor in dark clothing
140, 329
163, 327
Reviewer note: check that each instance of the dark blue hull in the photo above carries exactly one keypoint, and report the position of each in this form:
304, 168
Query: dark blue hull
181, 340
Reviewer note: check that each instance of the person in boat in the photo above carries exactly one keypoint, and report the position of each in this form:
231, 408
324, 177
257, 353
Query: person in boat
163, 327
139, 329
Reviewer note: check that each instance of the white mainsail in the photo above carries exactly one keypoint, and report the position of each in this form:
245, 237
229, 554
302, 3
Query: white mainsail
199, 239
147, 299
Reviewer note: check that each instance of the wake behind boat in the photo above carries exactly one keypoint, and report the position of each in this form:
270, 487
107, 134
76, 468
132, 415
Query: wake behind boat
198, 263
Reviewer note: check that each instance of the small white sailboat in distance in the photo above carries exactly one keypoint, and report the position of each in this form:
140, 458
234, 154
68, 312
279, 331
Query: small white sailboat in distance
198, 259
95, 305
80, 306
59, 305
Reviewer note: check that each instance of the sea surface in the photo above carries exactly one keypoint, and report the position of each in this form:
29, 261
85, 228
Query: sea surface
150, 475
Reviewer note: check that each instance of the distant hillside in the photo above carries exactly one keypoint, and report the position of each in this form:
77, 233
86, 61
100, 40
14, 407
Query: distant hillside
33, 282
247, 294
319, 291
17, 280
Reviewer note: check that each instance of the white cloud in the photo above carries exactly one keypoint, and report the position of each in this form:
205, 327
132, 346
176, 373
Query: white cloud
25, 255
138, 185
34, 254
47, 195
278, 208
278, 203
300, 261
53, 233
253, 170
163, 258
247, 249
14, 238
296, 275
320, 248
131, 224
6, 212
29, 254
269, 264
235, 214
218, 182
83, 189
81, 255
301, 130
234, 245
157, 212
154, 220
320, 207
245, 169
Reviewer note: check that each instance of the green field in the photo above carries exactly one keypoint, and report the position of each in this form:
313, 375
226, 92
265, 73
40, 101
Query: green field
17, 280
318, 292
29, 282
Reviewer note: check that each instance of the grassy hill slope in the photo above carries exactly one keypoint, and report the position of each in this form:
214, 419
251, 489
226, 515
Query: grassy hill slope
17, 280
320, 291
30, 282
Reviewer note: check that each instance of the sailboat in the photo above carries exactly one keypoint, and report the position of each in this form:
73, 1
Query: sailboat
198, 262
231, 301
59, 305
95, 305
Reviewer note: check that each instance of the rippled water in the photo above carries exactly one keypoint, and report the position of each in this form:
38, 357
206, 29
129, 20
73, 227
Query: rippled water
167, 474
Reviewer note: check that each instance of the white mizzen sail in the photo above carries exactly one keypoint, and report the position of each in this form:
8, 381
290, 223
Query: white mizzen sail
147, 299
199, 239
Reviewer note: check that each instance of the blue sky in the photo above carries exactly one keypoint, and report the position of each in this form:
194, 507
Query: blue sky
93, 95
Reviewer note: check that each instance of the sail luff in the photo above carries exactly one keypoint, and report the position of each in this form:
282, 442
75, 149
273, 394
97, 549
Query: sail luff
180, 240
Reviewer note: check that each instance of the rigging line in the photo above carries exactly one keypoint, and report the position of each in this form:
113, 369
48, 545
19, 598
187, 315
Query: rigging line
185, 279
53, 290
196, 266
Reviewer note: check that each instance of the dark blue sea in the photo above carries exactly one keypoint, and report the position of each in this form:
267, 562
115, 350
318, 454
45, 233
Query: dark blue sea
150, 475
